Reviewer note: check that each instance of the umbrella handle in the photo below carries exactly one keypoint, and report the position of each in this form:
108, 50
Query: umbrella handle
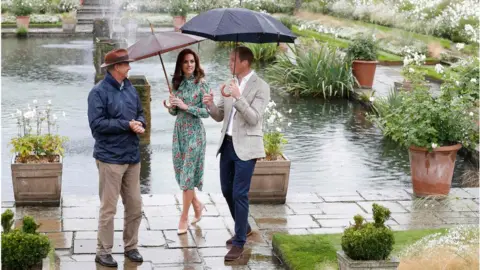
167, 105
223, 91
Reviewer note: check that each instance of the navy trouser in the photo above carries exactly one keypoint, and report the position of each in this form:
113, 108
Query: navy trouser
235, 179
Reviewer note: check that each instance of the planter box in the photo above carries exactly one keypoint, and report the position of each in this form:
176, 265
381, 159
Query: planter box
345, 263
69, 26
270, 182
23, 21
37, 184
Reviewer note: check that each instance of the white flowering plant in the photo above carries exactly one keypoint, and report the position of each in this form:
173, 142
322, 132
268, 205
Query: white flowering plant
412, 72
419, 119
179, 8
274, 126
36, 141
22, 7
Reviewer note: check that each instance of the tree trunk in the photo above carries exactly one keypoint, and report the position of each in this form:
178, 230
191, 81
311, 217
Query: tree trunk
298, 5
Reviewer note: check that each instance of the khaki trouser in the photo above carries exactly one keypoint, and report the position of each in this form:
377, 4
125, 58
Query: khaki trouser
115, 180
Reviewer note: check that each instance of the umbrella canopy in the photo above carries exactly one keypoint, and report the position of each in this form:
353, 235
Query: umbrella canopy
160, 43
240, 25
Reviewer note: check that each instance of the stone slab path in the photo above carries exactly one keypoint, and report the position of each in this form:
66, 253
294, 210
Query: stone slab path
72, 226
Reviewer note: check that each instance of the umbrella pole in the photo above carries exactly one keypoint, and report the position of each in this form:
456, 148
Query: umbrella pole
164, 72
234, 67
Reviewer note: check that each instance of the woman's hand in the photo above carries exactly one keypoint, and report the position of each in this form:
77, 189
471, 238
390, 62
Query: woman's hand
171, 98
178, 102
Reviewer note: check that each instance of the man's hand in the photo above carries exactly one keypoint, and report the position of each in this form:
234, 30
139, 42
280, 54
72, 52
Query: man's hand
137, 127
208, 99
234, 90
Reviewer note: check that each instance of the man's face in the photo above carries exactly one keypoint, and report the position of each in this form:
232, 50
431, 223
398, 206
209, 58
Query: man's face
123, 69
235, 62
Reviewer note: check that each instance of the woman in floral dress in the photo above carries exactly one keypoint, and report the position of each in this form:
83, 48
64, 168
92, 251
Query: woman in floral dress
188, 149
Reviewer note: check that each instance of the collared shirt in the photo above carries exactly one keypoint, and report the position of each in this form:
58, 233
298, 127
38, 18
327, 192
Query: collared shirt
243, 83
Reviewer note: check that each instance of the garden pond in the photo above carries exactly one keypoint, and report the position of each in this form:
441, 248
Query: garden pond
330, 143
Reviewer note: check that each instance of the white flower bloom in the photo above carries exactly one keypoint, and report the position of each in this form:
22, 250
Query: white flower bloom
289, 124
457, 83
471, 114
372, 99
473, 80
460, 46
411, 70
439, 68
290, 111
279, 129
29, 114
434, 145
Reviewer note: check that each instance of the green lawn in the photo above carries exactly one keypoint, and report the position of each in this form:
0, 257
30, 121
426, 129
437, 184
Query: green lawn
342, 43
34, 25
306, 252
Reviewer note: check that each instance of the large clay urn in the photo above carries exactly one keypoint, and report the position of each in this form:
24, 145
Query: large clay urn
364, 71
432, 172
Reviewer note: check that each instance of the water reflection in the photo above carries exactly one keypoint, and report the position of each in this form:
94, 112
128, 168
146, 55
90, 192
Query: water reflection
331, 144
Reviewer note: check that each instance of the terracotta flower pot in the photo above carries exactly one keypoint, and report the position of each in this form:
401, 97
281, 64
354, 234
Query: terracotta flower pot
364, 71
432, 172
23, 21
178, 22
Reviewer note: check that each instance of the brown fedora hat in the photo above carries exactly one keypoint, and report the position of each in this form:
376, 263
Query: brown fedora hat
116, 57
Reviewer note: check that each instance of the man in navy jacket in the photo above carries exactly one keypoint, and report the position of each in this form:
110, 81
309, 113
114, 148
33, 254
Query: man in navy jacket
116, 118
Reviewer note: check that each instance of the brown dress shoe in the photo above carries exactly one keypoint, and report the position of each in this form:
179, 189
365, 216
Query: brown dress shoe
230, 241
234, 253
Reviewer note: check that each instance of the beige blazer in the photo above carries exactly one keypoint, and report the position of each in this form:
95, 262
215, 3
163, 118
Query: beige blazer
247, 126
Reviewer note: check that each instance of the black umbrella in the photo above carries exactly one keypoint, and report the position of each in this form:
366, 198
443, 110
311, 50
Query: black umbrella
238, 25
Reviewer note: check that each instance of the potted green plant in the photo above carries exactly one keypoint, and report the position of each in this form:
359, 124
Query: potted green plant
37, 163
363, 52
25, 248
22, 10
367, 245
272, 174
433, 129
69, 21
179, 10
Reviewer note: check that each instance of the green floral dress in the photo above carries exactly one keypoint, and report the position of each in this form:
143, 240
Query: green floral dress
188, 149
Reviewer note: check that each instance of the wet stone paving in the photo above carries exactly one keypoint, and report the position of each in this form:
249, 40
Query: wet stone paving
72, 227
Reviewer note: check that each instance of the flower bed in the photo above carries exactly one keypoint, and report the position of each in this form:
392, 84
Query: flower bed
455, 20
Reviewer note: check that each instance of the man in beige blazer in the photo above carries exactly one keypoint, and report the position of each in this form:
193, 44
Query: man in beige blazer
241, 142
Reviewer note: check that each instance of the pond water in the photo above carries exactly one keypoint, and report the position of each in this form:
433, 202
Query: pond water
331, 145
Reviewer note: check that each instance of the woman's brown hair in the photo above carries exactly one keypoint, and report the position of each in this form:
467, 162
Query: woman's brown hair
178, 75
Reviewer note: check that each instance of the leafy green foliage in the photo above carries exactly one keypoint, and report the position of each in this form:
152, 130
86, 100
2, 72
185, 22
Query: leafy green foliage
418, 119
369, 241
22, 7
363, 48
30, 145
29, 225
289, 21
22, 32
22, 249
263, 52
179, 7
7, 220
33, 145
314, 71
274, 142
